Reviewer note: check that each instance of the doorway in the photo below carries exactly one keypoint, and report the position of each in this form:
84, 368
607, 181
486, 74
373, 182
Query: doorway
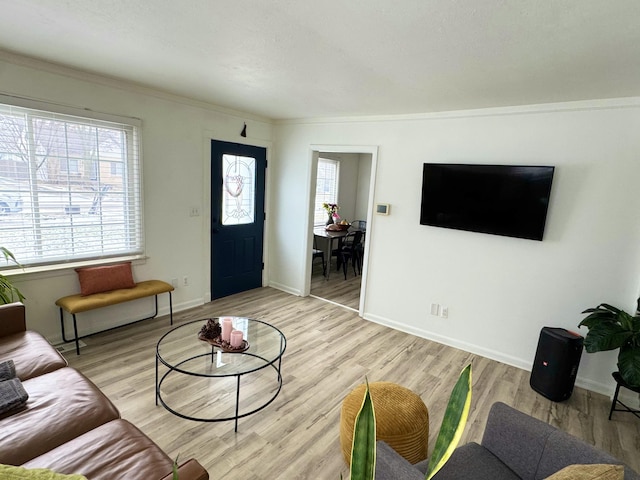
355, 198
237, 217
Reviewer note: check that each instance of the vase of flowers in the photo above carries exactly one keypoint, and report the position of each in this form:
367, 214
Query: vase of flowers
332, 211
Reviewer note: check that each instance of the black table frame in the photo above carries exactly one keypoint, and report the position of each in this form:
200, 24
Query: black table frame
276, 364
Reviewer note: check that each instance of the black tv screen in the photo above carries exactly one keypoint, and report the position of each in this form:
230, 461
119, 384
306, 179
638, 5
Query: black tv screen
509, 200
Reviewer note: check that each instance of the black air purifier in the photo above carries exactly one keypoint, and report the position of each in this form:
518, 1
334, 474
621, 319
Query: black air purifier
556, 364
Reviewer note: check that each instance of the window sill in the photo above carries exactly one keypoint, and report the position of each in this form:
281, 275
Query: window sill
58, 269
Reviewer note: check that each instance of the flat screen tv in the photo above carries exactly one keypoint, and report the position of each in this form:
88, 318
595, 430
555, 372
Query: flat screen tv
509, 200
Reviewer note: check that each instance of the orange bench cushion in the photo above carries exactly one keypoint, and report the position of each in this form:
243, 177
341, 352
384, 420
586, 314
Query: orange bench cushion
83, 303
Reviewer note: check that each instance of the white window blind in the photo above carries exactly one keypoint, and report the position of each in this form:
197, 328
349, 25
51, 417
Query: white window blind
70, 187
326, 188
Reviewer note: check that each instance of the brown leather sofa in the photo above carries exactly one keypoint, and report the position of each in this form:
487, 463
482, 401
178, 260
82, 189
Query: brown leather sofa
68, 425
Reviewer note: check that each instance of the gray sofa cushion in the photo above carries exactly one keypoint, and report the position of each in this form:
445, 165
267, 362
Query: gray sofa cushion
391, 466
473, 462
516, 438
563, 449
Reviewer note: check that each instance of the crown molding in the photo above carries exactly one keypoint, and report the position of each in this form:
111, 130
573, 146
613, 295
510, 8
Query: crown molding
574, 106
114, 82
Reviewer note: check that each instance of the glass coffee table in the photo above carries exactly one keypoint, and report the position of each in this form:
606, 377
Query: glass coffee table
201, 380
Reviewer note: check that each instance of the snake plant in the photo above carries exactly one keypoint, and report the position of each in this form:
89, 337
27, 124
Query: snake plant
363, 452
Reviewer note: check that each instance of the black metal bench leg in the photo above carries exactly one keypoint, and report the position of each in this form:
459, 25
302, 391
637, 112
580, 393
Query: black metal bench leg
75, 332
64, 338
171, 307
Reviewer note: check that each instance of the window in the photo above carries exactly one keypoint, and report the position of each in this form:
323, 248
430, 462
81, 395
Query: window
70, 187
326, 188
238, 195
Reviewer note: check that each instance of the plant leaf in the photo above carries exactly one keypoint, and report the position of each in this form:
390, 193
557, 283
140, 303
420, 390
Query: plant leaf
610, 307
629, 365
175, 468
597, 317
363, 450
453, 423
606, 336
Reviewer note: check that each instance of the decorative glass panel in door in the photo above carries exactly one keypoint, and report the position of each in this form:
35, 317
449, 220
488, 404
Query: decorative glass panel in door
238, 195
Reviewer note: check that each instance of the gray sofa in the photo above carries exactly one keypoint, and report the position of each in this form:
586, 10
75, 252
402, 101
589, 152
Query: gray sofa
514, 446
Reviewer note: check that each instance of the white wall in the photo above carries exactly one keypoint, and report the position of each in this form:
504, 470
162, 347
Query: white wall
364, 180
175, 145
500, 291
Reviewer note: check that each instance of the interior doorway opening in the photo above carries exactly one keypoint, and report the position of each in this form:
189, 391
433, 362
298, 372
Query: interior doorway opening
354, 196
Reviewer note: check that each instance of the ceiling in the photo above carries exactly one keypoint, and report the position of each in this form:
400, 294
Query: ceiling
286, 59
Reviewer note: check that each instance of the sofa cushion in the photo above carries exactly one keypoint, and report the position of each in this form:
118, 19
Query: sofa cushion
105, 278
62, 405
31, 353
563, 449
517, 439
596, 471
390, 465
113, 450
474, 462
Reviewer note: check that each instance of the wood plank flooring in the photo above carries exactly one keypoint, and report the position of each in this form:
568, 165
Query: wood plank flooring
330, 350
336, 289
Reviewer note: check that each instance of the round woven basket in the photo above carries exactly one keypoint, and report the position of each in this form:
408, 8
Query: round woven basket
402, 420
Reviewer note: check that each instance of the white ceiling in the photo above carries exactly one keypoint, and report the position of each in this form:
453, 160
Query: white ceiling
317, 58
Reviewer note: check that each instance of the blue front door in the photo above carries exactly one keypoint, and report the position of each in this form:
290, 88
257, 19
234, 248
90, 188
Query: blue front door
237, 217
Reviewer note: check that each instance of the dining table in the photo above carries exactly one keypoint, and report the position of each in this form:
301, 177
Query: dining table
326, 238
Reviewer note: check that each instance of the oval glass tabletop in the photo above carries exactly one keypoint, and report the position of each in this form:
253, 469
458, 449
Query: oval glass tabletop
181, 350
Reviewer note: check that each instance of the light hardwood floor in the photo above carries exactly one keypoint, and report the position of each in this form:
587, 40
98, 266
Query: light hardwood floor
330, 350
336, 289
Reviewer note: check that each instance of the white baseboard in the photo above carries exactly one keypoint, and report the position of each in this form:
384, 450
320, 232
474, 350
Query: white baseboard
285, 288
525, 364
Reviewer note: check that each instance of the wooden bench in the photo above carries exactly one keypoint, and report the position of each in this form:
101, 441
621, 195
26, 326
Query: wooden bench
74, 304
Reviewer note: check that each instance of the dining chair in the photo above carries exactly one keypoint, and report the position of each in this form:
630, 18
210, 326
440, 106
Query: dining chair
352, 251
359, 224
317, 253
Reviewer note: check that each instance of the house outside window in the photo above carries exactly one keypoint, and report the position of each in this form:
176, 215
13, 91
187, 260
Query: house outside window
326, 188
70, 187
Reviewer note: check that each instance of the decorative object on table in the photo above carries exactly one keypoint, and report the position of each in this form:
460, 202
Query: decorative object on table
213, 333
332, 211
211, 329
363, 452
611, 328
227, 326
8, 292
338, 227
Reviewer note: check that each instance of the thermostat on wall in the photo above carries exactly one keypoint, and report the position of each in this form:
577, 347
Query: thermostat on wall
382, 208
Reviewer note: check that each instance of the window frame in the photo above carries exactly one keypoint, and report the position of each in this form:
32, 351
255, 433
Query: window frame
132, 201
319, 214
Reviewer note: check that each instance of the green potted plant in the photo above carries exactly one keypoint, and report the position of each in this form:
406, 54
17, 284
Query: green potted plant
363, 452
8, 292
611, 328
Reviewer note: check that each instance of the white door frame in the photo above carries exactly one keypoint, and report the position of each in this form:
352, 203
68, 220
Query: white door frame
314, 151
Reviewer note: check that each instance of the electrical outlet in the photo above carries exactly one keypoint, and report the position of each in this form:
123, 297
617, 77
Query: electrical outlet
444, 312
185, 281
194, 212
